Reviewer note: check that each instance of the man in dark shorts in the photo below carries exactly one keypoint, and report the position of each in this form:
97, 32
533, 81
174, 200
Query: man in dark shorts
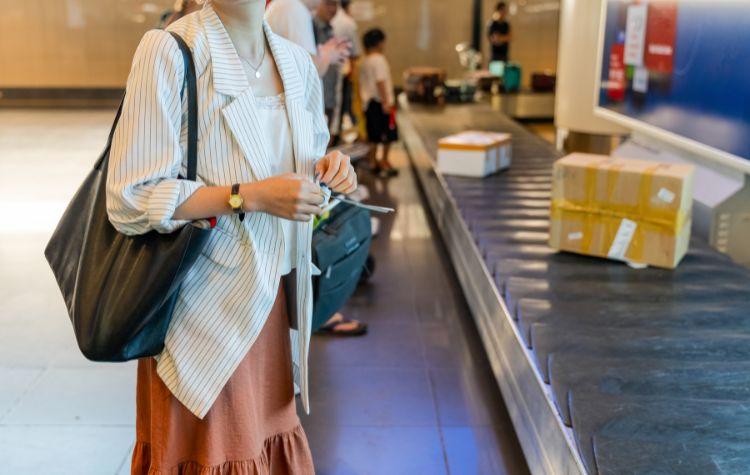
499, 33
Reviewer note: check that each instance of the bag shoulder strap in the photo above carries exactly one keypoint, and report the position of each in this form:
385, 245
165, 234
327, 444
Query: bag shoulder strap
192, 90
192, 125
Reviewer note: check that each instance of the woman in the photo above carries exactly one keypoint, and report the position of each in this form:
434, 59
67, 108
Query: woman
220, 397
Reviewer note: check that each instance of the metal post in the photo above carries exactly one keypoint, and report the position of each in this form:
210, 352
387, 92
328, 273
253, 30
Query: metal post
476, 36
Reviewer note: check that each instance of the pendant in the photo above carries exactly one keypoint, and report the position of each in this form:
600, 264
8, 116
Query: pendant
257, 74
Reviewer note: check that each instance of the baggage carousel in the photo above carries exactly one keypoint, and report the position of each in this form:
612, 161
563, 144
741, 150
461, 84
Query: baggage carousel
604, 369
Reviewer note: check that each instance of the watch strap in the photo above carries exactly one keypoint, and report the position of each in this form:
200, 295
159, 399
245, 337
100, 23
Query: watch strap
238, 211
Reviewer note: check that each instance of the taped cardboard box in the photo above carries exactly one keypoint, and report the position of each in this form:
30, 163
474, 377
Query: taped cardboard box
474, 153
624, 209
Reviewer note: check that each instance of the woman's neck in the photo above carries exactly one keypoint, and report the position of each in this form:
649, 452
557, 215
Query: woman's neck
244, 23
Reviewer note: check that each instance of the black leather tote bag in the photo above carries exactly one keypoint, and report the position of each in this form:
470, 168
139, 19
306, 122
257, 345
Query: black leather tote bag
121, 290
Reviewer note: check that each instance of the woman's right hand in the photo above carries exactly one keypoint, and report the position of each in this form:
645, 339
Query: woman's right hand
288, 196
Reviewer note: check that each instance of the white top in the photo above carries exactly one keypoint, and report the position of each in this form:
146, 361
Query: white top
292, 20
375, 68
273, 119
344, 26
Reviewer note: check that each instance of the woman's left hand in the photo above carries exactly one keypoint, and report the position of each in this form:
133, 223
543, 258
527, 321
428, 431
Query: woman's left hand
335, 170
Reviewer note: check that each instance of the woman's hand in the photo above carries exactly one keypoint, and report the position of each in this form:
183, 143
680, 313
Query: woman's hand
288, 196
335, 170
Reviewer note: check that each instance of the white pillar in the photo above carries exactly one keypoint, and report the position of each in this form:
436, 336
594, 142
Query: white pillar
576, 70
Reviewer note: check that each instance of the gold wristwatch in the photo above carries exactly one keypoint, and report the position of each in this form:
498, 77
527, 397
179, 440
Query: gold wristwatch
236, 201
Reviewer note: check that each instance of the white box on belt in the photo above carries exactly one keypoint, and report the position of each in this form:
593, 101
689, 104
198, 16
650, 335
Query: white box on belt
474, 153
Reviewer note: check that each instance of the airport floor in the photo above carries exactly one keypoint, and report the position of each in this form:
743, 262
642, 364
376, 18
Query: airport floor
414, 396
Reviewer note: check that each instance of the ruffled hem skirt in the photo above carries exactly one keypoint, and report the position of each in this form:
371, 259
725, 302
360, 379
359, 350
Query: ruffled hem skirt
252, 428
282, 453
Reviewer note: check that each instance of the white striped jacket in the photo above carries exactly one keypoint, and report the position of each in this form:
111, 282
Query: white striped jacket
227, 296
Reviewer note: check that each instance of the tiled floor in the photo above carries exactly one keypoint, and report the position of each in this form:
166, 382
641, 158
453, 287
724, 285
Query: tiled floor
415, 396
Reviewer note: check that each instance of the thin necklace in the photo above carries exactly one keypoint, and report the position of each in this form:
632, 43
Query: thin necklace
256, 69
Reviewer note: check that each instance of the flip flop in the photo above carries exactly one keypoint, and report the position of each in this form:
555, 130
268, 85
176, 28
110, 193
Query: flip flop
387, 172
330, 329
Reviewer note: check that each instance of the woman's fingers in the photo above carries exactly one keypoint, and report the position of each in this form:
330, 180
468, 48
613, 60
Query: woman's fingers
312, 199
336, 171
348, 183
320, 167
339, 174
352, 188
311, 194
334, 163
341, 177
308, 209
305, 213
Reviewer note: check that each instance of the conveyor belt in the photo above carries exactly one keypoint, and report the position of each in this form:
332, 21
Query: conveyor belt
648, 367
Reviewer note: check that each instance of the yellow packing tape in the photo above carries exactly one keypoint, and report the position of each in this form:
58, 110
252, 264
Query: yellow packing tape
607, 227
667, 226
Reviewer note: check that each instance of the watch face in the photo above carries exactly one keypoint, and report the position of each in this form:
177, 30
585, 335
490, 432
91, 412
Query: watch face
235, 201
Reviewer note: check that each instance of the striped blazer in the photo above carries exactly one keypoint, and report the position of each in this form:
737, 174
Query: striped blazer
228, 294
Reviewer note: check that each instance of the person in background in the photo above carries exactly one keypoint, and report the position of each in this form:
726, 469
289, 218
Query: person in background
180, 9
376, 90
499, 33
287, 19
345, 27
323, 30
293, 20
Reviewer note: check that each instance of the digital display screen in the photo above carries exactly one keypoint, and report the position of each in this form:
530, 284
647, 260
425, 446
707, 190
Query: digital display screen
682, 66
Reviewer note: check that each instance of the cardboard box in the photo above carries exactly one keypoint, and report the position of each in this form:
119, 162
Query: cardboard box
630, 210
474, 153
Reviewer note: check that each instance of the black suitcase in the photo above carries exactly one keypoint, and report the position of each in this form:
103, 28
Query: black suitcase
543, 82
340, 246
424, 85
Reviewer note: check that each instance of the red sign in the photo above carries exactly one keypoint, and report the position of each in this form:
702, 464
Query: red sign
617, 79
661, 31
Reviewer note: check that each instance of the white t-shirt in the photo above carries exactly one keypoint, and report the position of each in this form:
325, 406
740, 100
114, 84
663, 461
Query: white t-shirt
273, 119
375, 68
344, 26
292, 20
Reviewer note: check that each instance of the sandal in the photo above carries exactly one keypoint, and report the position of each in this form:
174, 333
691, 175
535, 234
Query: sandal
330, 329
388, 172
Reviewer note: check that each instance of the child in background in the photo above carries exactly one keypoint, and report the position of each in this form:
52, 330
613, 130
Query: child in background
376, 91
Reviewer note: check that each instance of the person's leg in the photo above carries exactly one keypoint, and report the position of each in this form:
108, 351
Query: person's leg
346, 108
372, 120
372, 156
386, 168
386, 152
334, 134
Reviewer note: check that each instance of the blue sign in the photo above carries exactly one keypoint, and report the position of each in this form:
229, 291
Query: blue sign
685, 69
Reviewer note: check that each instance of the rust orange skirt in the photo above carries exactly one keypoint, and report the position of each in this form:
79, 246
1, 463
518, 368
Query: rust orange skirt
252, 428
